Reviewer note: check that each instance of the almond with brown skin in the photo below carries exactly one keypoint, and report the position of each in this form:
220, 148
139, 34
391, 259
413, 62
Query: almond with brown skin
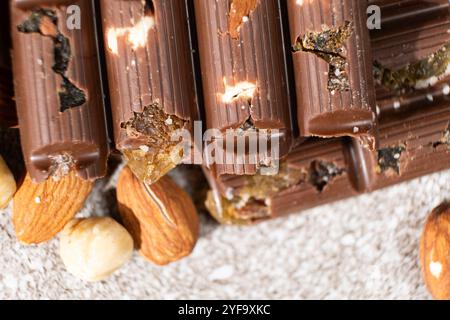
42, 210
161, 217
435, 252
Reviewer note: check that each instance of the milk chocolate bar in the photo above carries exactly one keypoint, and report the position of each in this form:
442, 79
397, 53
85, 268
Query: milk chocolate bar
412, 60
414, 141
333, 73
58, 88
322, 170
314, 173
245, 74
151, 80
8, 116
412, 144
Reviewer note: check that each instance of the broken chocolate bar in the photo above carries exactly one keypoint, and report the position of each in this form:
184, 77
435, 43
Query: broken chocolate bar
245, 77
320, 171
412, 61
315, 172
151, 80
413, 141
332, 63
58, 88
412, 144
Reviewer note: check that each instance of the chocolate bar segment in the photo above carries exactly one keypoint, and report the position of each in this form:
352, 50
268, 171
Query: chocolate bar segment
244, 71
332, 63
322, 171
413, 143
58, 89
314, 173
151, 80
412, 60
400, 13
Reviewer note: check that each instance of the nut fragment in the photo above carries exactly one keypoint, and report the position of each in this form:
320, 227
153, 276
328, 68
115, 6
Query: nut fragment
7, 184
435, 252
42, 210
161, 217
92, 249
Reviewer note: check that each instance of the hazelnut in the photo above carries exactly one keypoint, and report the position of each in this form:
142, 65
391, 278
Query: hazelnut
8, 185
92, 249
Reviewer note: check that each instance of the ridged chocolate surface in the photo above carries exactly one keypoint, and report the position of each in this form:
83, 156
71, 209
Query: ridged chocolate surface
425, 137
47, 132
305, 195
400, 42
257, 56
254, 59
321, 111
159, 70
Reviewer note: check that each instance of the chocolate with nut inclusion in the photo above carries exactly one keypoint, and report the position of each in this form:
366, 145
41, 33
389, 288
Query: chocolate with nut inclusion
58, 89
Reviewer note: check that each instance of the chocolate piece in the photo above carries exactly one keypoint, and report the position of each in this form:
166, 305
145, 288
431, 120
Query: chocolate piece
332, 63
8, 117
412, 59
413, 143
316, 172
58, 89
245, 77
400, 13
151, 80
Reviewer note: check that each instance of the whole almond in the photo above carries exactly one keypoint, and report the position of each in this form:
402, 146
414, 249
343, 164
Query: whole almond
42, 210
161, 217
435, 252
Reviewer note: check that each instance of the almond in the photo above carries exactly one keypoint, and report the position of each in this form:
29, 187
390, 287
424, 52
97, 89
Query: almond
42, 210
161, 217
435, 252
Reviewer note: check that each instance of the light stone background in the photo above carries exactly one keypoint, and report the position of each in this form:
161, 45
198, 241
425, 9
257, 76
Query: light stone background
361, 248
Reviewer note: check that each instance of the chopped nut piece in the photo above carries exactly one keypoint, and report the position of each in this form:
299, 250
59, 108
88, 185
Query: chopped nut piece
389, 158
7, 184
92, 249
61, 166
445, 140
248, 204
418, 75
239, 10
155, 158
329, 46
321, 173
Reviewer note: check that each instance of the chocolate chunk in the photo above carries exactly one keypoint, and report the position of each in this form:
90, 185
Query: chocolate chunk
411, 60
315, 172
332, 64
58, 90
245, 77
151, 80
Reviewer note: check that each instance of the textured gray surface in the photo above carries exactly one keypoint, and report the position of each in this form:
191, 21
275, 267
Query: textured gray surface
365, 247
